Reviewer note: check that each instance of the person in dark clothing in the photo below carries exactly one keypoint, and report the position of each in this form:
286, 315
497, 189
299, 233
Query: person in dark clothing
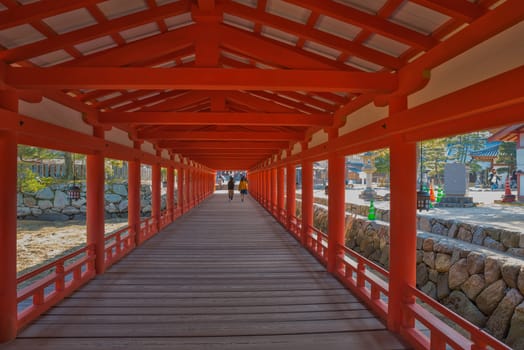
231, 188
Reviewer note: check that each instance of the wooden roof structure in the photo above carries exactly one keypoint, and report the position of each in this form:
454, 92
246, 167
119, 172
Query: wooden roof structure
232, 83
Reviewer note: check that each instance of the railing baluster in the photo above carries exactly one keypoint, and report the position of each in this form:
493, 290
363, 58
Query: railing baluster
60, 278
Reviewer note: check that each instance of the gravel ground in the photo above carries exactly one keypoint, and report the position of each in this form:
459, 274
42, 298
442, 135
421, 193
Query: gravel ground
45, 241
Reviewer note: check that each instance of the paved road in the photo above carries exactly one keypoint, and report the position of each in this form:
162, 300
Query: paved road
486, 212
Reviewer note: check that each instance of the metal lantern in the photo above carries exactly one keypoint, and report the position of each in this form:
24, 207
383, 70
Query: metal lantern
73, 193
423, 198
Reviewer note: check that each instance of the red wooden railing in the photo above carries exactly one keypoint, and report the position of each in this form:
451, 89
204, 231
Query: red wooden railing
148, 228
165, 218
117, 245
436, 334
316, 243
370, 282
363, 277
49, 284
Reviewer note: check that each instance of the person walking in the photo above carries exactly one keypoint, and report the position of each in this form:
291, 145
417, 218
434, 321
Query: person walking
231, 188
242, 187
494, 179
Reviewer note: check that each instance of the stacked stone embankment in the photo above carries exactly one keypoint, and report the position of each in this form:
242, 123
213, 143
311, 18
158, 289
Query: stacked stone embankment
53, 204
476, 271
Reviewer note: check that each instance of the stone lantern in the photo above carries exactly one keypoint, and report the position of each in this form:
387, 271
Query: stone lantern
368, 168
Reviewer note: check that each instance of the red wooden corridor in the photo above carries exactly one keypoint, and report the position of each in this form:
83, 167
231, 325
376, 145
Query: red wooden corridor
190, 87
225, 276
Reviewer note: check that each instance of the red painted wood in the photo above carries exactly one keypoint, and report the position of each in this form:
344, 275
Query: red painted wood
403, 224
96, 204
307, 198
155, 194
291, 188
133, 193
336, 207
8, 192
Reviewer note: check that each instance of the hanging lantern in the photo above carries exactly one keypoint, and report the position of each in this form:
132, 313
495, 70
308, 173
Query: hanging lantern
73, 192
423, 200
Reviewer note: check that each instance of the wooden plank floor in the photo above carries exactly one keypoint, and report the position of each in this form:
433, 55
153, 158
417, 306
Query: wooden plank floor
224, 276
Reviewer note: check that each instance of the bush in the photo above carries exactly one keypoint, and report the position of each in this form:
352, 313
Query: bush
28, 181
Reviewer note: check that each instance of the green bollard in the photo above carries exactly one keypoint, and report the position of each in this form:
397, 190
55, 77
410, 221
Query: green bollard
371, 215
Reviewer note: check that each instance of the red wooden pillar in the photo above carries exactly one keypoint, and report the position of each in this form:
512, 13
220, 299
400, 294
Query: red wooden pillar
274, 188
96, 203
170, 192
280, 189
156, 181
336, 204
403, 224
8, 175
191, 186
180, 189
291, 184
307, 198
133, 198
268, 188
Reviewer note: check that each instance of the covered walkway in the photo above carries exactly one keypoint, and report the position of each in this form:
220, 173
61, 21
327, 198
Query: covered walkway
224, 276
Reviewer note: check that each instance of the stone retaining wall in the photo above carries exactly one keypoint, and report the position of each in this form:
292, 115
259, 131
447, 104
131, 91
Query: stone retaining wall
483, 285
509, 242
52, 203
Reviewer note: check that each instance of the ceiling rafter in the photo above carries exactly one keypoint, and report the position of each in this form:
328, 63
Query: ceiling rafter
257, 103
285, 101
139, 50
317, 36
220, 135
190, 145
199, 79
369, 22
215, 118
124, 97
292, 95
273, 53
143, 103
160, 60
178, 102
92, 32
462, 10
39, 10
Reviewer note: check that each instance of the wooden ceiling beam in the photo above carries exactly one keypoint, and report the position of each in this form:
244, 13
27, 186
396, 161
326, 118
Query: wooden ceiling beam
256, 103
318, 36
462, 10
138, 51
291, 103
215, 118
41, 47
223, 145
369, 22
272, 53
38, 10
179, 102
220, 135
144, 102
198, 79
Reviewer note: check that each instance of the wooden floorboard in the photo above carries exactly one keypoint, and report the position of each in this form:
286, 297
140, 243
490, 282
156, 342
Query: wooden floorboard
224, 276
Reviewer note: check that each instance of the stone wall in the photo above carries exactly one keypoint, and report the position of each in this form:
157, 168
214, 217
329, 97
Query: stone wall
509, 242
483, 285
52, 203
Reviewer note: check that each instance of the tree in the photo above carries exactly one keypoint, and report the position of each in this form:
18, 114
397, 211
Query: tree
508, 155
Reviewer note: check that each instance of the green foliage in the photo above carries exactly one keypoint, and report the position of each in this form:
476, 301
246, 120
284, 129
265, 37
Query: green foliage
382, 161
26, 153
27, 181
508, 154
